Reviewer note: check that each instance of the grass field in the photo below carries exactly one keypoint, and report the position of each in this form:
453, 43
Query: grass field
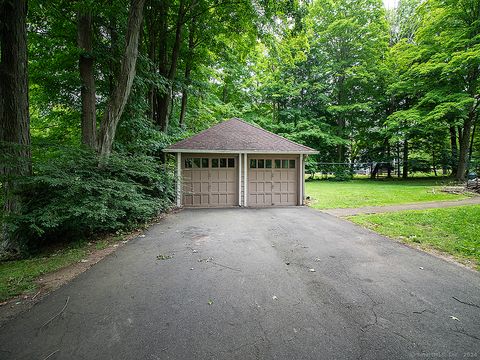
454, 230
17, 277
326, 194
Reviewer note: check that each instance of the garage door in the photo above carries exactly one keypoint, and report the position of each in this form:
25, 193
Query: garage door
272, 181
209, 181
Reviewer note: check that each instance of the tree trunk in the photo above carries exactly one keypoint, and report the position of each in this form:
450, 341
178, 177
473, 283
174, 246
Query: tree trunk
464, 145
123, 86
341, 100
152, 37
389, 166
398, 159
85, 62
114, 53
188, 69
472, 139
405, 159
165, 100
14, 115
454, 149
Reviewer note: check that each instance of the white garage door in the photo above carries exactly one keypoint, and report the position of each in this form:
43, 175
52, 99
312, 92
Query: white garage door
272, 181
209, 181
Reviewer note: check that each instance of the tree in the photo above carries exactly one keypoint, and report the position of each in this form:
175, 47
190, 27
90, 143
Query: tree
438, 85
348, 40
121, 91
14, 110
85, 62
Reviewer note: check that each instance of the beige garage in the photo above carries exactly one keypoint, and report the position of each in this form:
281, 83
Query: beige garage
235, 163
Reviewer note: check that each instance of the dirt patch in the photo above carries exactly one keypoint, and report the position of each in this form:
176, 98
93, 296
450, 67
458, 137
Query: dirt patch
53, 281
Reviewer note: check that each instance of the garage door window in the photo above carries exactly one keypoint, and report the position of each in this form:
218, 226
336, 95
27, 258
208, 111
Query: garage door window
267, 164
223, 163
196, 163
280, 164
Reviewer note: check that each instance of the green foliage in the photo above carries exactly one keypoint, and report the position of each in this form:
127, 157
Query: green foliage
71, 197
342, 173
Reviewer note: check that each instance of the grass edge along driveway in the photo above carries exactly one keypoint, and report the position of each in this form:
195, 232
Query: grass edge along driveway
454, 231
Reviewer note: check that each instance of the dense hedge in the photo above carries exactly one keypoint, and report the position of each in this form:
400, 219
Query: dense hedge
71, 197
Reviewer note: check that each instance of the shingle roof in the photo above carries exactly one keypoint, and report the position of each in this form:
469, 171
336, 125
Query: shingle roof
238, 135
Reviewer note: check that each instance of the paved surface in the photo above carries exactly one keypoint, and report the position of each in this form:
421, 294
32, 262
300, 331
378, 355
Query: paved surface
475, 200
367, 299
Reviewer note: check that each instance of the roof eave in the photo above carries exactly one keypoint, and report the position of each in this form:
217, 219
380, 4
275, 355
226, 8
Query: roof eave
216, 151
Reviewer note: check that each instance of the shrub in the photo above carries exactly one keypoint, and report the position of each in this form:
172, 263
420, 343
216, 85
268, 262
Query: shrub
343, 173
70, 196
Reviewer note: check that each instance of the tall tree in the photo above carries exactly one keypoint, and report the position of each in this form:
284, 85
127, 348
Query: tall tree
86, 63
14, 110
349, 39
121, 91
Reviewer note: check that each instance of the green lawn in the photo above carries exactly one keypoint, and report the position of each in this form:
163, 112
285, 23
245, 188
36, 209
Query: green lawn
326, 194
454, 230
18, 276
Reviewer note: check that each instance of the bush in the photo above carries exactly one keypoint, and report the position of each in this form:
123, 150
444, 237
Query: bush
343, 173
71, 197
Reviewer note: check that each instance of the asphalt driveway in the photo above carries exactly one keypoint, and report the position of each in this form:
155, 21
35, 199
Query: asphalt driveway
239, 286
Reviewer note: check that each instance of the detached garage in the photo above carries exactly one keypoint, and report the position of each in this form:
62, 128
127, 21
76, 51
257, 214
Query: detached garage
236, 163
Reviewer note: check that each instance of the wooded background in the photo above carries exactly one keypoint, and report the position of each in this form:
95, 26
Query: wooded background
92, 91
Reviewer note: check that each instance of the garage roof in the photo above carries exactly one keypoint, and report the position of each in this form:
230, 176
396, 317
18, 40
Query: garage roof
236, 135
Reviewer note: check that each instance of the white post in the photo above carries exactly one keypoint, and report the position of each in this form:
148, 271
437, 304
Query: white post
245, 180
239, 179
300, 181
179, 179
303, 179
